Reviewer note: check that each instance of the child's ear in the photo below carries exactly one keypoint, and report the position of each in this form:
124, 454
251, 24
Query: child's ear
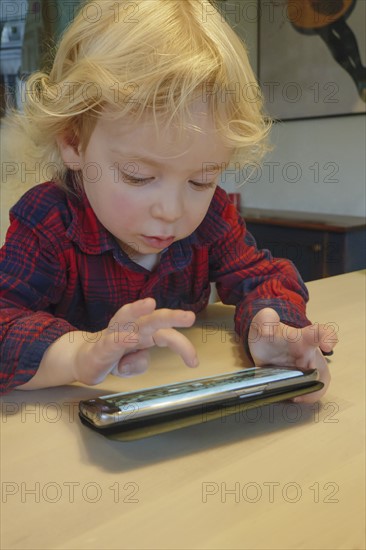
70, 151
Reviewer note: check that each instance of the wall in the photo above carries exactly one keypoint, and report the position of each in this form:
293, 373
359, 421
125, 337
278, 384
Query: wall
316, 165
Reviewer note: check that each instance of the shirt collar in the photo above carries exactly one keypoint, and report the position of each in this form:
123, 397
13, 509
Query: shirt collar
85, 229
217, 222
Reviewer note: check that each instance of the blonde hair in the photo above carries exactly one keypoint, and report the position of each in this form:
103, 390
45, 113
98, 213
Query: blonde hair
130, 58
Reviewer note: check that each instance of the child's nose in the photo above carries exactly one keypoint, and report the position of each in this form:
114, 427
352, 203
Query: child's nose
168, 207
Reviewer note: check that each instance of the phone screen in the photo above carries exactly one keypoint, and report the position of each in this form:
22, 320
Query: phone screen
203, 389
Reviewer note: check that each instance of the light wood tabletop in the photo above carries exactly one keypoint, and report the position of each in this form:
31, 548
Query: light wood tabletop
284, 476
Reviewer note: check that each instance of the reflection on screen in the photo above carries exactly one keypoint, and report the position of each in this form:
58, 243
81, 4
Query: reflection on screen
204, 388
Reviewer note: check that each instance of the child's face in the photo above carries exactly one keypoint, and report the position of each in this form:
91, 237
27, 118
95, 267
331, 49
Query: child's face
150, 191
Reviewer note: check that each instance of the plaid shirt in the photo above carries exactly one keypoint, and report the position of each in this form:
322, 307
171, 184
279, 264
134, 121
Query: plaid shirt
61, 270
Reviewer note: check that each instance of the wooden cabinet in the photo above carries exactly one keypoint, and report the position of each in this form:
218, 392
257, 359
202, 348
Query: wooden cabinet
320, 245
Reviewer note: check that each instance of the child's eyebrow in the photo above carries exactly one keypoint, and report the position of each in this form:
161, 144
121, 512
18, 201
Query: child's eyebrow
129, 156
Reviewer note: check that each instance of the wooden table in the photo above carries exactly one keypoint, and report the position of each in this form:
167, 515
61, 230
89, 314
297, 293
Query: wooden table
282, 477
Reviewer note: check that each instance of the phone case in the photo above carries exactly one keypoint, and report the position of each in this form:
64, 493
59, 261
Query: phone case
157, 425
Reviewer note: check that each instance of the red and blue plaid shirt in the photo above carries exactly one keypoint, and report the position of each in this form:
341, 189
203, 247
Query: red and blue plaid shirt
61, 270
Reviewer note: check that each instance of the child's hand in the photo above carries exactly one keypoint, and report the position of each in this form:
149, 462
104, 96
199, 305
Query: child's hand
122, 347
273, 342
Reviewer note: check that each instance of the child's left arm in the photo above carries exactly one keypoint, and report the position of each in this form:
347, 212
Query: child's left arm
270, 298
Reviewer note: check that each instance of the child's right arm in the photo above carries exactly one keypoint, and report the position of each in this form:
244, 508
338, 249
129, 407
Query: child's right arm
74, 357
40, 348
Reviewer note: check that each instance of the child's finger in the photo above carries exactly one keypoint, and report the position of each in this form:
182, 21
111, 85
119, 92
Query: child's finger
128, 333
304, 361
132, 364
131, 312
328, 338
164, 319
321, 336
178, 343
324, 376
146, 320
310, 397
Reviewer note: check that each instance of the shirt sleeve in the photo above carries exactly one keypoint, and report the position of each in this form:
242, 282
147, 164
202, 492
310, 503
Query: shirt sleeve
32, 279
252, 279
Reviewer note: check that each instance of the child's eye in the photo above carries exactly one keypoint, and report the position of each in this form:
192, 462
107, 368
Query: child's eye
202, 185
135, 181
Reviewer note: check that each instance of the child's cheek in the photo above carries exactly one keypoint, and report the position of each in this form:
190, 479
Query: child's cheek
127, 208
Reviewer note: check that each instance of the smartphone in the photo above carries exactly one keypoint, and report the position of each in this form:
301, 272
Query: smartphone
132, 415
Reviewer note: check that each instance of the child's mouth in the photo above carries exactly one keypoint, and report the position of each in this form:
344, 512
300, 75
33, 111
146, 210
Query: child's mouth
158, 242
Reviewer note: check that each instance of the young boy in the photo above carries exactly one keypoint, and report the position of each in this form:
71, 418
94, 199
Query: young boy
105, 260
